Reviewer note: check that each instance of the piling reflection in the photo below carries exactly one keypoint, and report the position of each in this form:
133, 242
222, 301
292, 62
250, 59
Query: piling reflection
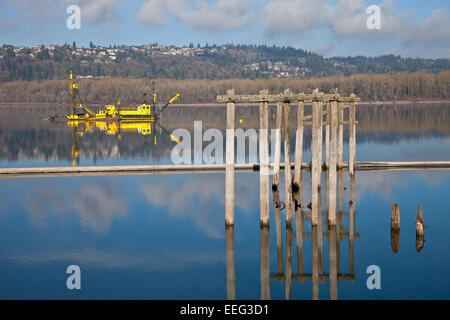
264, 262
395, 240
333, 234
333, 230
230, 262
288, 284
315, 262
333, 260
420, 241
277, 214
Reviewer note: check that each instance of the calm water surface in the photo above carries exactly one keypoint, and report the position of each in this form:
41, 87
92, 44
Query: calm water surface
163, 237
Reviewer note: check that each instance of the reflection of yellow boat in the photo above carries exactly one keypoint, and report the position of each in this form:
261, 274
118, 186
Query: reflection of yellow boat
142, 112
118, 127
114, 127
79, 128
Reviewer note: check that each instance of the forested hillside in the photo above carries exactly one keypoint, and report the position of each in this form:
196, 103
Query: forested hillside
194, 62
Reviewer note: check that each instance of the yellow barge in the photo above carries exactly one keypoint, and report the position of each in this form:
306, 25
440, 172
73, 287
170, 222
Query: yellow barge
143, 112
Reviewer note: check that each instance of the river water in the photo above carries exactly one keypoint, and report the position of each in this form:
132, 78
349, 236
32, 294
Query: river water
163, 236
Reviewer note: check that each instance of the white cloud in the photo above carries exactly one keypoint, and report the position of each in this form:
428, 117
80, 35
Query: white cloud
293, 16
92, 11
97, 11
153, 12
97, 205
201, 14
196, 198
431, 30
347, 18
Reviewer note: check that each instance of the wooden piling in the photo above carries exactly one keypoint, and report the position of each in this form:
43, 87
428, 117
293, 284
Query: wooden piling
264, 159
320, 138
352, 138
327, 135
420, 225
395, 216
166, 169
265, 262
277, 153
420, 230
287, 162
230, 262
316, 156
229, 169
297, 185
340, 147
332, 154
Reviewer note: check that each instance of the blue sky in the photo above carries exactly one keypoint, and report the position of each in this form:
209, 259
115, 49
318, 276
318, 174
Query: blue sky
329, 27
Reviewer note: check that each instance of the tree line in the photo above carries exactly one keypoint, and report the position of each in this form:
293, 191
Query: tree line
368, 87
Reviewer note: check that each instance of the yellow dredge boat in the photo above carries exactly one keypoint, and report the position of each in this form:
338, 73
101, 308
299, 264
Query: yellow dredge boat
143, 112
111, 119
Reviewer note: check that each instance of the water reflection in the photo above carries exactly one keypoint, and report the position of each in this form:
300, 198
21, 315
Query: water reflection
310, 261
182, 212
333, 234
416, 129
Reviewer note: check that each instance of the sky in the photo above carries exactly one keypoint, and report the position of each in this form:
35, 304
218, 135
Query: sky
410, 28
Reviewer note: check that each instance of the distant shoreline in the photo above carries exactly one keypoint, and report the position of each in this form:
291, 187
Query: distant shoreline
6, 105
